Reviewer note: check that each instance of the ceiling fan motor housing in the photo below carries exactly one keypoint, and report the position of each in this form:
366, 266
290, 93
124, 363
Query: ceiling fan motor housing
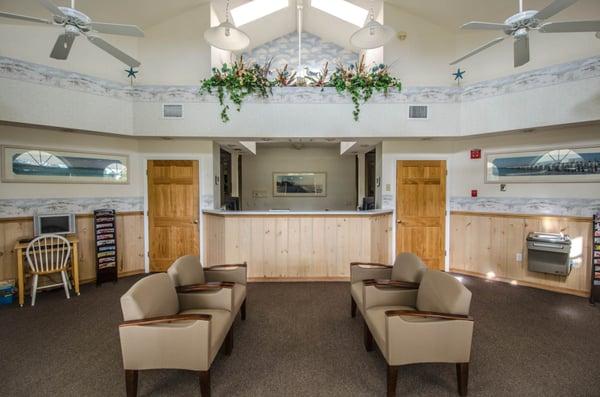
74, 18
523, 20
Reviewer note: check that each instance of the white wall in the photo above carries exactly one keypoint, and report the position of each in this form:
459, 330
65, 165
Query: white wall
257, 176
465, 174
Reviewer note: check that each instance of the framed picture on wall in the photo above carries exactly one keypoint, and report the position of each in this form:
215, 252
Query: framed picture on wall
42, 165
299, 184
565, 164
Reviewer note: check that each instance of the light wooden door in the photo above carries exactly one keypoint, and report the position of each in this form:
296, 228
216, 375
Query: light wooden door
172, 211
421, 210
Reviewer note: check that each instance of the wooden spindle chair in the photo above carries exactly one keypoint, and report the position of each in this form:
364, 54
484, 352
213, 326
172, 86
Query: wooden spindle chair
48, 254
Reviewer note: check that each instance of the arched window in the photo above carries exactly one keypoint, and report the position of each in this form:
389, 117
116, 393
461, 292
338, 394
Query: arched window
39, 158
116, 171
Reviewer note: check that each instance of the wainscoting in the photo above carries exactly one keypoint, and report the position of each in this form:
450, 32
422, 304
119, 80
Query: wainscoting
297, 247
488, 242
130, 244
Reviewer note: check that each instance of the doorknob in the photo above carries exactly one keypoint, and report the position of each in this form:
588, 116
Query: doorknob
400, 222
196, 221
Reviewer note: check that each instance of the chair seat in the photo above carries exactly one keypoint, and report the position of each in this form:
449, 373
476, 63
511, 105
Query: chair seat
239, 294
375, 318
219, 326
356, 289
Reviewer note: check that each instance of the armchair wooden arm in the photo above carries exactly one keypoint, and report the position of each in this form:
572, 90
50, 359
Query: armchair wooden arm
166, 319
371, 265
396, 284
423, 314
225, 267
210, 286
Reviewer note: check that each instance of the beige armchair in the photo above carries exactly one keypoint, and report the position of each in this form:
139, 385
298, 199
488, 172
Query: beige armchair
157, 333
189, 276
437, 329
403, 279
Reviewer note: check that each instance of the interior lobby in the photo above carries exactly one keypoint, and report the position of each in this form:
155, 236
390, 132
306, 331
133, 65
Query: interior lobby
299, 197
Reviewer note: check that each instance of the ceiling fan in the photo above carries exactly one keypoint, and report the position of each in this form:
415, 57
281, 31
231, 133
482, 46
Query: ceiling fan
519, 25
77, 23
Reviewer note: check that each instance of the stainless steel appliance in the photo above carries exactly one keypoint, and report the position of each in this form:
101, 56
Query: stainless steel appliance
549, 253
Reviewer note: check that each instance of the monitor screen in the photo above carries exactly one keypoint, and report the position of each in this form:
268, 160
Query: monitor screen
55, 224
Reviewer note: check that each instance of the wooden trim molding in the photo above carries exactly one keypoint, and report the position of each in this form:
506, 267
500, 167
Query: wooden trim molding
225, 267
525, 216
425, 314
166, 319
30, 217
371, 265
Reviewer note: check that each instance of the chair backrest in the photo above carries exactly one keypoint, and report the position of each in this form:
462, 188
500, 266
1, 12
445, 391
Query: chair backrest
48, 253
186, 270
408, 267
152, 296
441, 292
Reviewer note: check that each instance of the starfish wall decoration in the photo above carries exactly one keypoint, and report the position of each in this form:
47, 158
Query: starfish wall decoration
459, 75
131, 73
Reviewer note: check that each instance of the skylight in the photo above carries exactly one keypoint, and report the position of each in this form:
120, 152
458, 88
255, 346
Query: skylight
343, 10
256, 9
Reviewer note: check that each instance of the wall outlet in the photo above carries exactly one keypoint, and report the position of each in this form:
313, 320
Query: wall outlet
519, 257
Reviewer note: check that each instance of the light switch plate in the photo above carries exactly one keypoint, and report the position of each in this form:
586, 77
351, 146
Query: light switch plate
388, 187
519, 257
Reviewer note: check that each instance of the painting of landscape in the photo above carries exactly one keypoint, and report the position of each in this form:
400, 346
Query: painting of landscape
310, 184
555, 165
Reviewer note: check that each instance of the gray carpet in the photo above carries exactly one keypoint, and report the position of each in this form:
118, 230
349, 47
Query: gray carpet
300, 340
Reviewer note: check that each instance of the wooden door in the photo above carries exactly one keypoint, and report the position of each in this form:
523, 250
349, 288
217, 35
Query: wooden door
172, 211
421, 210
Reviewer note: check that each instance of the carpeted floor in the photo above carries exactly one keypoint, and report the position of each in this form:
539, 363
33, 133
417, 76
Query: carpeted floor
299, 340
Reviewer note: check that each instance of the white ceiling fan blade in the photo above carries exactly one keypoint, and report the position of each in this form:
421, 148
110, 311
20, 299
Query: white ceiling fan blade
53, 8
114, 51
24, 18
571, 26
485, 26
554, 8
479, 49
63, 45
115, 28
521, 50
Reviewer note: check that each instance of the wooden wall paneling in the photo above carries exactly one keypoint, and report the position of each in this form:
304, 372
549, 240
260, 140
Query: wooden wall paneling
245, 242
306, 247
490, 242
319, 249
270, 247
281, 242
331, 229
342, 259
256, 263
130, 244
87, 247
10, 233
294, 262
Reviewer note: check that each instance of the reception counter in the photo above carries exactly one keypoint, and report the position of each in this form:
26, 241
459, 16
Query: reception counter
297, 245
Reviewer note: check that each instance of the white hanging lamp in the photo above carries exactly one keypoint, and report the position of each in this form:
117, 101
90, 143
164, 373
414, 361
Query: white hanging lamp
372, 35
226, 36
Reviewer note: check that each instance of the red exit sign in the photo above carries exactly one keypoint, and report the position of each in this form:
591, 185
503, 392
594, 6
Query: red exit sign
475, 153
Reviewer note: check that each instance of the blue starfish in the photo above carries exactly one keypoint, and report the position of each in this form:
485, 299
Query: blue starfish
131, 72
458, 75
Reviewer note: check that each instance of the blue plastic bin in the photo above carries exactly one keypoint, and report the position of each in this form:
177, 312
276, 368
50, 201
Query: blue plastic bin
7, 293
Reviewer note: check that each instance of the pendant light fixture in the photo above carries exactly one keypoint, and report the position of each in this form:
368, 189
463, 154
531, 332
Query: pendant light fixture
373, 34
226, 36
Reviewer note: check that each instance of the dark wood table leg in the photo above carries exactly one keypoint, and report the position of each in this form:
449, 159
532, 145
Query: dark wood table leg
352, 307
229, 342
368, 337
244, 309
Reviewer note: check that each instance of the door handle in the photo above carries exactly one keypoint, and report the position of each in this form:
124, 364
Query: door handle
195, 221
400, 222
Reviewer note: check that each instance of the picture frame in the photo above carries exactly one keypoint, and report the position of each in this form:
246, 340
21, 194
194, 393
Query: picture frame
299, 184
551, 165
23, 164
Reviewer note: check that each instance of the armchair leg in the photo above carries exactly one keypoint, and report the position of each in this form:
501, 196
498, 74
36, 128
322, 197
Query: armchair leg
462, 376
244, 310
392, 380
352, 307
368, 337
131, 382
229, 342
205, 383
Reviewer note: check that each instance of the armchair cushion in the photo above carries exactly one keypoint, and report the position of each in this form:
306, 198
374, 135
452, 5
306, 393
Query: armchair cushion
408, 267
376, 320
219, 327
186, 270
152, 296
239, 295
441, 292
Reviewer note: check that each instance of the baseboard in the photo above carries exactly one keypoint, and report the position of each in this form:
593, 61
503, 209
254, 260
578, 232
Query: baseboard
297, 279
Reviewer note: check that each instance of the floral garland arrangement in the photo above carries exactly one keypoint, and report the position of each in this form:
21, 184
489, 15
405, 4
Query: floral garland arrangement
240, 80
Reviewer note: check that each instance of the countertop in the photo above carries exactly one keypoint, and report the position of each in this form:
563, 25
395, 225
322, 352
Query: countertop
296, 213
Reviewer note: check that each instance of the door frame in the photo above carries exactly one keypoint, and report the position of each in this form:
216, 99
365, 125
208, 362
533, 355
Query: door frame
394, 163
145, 158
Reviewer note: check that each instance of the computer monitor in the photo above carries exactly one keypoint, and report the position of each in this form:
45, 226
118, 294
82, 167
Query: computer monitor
368, 203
